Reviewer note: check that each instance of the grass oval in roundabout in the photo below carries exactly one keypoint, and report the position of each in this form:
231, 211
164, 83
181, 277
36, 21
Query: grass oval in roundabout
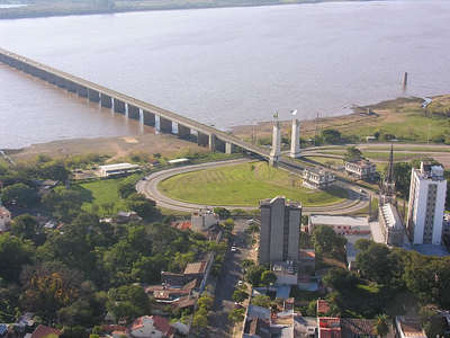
244, 185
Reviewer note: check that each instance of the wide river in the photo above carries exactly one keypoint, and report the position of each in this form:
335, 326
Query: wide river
225, 66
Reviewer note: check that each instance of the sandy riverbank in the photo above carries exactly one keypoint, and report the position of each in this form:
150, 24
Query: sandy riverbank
115, 147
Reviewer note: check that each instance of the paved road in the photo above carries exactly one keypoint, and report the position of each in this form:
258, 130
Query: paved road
149, 187
231, 273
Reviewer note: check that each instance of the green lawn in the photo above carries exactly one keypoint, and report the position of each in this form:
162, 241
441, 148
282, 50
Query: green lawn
244, 185
326, 161
104, 192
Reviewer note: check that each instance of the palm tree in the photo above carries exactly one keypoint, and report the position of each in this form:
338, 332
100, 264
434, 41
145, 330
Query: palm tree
381, 326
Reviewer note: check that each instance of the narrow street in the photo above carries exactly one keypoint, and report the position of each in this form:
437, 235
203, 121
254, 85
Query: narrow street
232, 272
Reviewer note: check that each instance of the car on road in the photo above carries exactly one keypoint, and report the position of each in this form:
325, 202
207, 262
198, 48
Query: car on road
234, 249
240, 283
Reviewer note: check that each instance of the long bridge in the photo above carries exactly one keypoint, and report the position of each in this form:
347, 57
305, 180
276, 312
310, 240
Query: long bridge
133, 108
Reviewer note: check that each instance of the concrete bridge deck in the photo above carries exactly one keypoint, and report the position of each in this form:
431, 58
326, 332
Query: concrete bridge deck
132, 107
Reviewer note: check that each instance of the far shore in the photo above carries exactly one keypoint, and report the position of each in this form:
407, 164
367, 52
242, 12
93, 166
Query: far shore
69, 9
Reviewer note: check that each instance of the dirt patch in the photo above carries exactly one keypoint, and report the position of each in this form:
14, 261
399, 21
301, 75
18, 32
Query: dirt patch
115, 147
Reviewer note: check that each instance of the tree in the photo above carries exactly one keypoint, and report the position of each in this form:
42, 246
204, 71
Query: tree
128, 186
331, 136
239, 295
49, 287
14, 254
24, 226
237, 315
253, 274
64, 203
200, 319
205, 301
328, 243
353, 154
340, 279
20, 194
143, 206
222, 212
268, 278
128, 302
261, 300
381, 325
380, 264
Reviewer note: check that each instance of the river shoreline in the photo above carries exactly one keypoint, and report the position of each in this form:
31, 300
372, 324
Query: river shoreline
42, 12
122, 146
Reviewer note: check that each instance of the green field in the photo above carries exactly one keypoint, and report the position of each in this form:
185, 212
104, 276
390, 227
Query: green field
244, 185
104, 192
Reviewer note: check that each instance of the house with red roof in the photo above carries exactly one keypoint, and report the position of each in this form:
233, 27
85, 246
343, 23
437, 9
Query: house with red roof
151, 327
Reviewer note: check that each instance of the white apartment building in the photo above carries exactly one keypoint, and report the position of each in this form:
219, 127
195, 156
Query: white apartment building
426, 204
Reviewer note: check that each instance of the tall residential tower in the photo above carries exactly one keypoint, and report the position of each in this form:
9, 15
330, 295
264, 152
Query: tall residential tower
280, 230
426, 204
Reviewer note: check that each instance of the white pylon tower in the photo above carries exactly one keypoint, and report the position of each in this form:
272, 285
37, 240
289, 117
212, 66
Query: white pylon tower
295, 137
275, 152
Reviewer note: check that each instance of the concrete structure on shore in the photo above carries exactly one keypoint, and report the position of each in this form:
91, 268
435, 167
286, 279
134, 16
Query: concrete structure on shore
280, 230
426, 204
295, 139
5, 218
275, 152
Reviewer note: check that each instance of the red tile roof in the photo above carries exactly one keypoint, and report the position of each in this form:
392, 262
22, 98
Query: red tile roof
323, 306
44, 331
330, 327
195, 268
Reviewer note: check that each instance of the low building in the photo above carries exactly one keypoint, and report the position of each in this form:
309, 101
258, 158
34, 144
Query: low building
317, 178
151, 327
178, 161
391, 225
5, 219
362, 169
355, 328
286, 273
43, 331
409, 327
341, 224
329, 327
305, 327
203, 220
117, 169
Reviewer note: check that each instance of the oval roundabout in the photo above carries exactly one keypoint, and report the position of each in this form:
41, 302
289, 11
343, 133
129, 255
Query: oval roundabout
150, 187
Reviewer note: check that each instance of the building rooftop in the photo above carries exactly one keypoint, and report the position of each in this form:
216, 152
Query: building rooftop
269, 201
4, 211
195, 268
362, 163
44, 331
323, 307
410, 327
352, 327
391, 216
118, 166
333, 220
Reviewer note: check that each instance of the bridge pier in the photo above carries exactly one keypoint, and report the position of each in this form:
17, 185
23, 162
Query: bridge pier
82, 91
119, 106
149, 118
184, 132
133, 112
165, 125
105, 100
93, 95
212, 142
230, 148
